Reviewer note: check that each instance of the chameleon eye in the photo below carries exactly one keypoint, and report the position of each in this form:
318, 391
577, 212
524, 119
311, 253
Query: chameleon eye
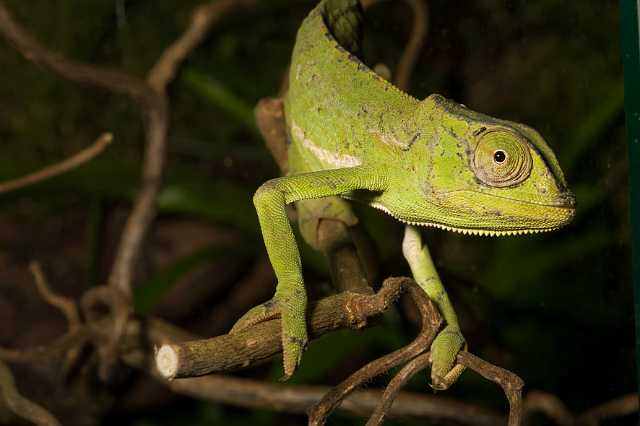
501, 158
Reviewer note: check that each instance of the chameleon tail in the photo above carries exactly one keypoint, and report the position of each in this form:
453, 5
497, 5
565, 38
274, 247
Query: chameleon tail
344, 18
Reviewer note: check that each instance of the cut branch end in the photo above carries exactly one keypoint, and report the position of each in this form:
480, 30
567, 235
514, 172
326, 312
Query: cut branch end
167, 361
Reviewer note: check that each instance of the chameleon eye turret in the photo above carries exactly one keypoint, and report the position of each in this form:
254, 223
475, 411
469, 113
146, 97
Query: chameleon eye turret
501, 158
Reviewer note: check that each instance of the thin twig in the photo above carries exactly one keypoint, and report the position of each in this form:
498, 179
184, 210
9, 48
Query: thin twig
619, 407
51, 351
64, 166
511, 384
21, 406
548, 404
418, 36
64, 304
109, 79
430, 323
395, 385
202, 19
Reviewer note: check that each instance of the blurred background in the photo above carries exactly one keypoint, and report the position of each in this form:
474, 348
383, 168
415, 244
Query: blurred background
556, 308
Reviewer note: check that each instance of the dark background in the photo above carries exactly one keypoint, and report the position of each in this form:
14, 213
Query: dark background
556, 309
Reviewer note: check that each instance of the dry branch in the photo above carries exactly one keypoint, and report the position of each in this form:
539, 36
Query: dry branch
417, 39
262, 341
430, 322
202, 19
395, 385
65, 305
550, 406
59, 168
619, 407
19, 405
284, 397
511, 384
109, 79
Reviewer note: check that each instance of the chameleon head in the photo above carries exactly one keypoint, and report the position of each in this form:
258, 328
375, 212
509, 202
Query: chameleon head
476, 174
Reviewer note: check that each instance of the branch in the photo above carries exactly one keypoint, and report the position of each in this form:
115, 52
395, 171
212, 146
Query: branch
156, 129
109, 79
202, 19
64, 304
261, 342
430, 323
21, 406
292, 398
618, 407
64, 166
395, 385
511, 384
418, 37
550, 405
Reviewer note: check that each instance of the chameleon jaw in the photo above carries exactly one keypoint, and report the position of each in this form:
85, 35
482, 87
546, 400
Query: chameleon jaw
466, 231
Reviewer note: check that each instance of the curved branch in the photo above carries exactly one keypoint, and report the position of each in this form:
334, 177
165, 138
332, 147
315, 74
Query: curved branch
511, 384
417, 39
109, 79
202, 19
395, 385
21, 406
430, 322
64, 166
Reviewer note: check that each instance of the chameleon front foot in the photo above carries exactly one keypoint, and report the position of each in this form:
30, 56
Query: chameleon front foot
444, 350
294, 328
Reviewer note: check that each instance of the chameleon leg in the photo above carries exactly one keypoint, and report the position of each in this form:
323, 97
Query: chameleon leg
290, 299
447, 344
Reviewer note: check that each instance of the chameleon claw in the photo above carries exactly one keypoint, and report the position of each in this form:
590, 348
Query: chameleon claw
261, 313
294, 329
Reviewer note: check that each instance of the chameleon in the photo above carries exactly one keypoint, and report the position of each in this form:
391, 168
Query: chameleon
352, 135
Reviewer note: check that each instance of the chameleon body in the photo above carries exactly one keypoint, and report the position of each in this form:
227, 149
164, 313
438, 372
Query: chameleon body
432, 162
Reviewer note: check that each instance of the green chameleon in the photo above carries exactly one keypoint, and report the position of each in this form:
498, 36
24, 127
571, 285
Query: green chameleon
432, 163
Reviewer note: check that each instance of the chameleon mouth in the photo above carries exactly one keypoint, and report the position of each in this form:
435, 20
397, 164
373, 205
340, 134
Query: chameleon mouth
470, 231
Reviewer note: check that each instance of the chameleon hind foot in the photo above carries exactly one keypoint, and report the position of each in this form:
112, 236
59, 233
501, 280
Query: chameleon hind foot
447, 344
291, 312
444, 351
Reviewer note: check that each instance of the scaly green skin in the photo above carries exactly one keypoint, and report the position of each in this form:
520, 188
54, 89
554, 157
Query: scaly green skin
430, 162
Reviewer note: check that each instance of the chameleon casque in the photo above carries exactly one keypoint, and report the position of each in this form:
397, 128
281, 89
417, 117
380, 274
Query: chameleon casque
431, 163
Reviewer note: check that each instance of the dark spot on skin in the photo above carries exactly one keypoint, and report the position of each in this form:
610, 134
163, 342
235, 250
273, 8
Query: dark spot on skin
479, 131
414, 138
296, 341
